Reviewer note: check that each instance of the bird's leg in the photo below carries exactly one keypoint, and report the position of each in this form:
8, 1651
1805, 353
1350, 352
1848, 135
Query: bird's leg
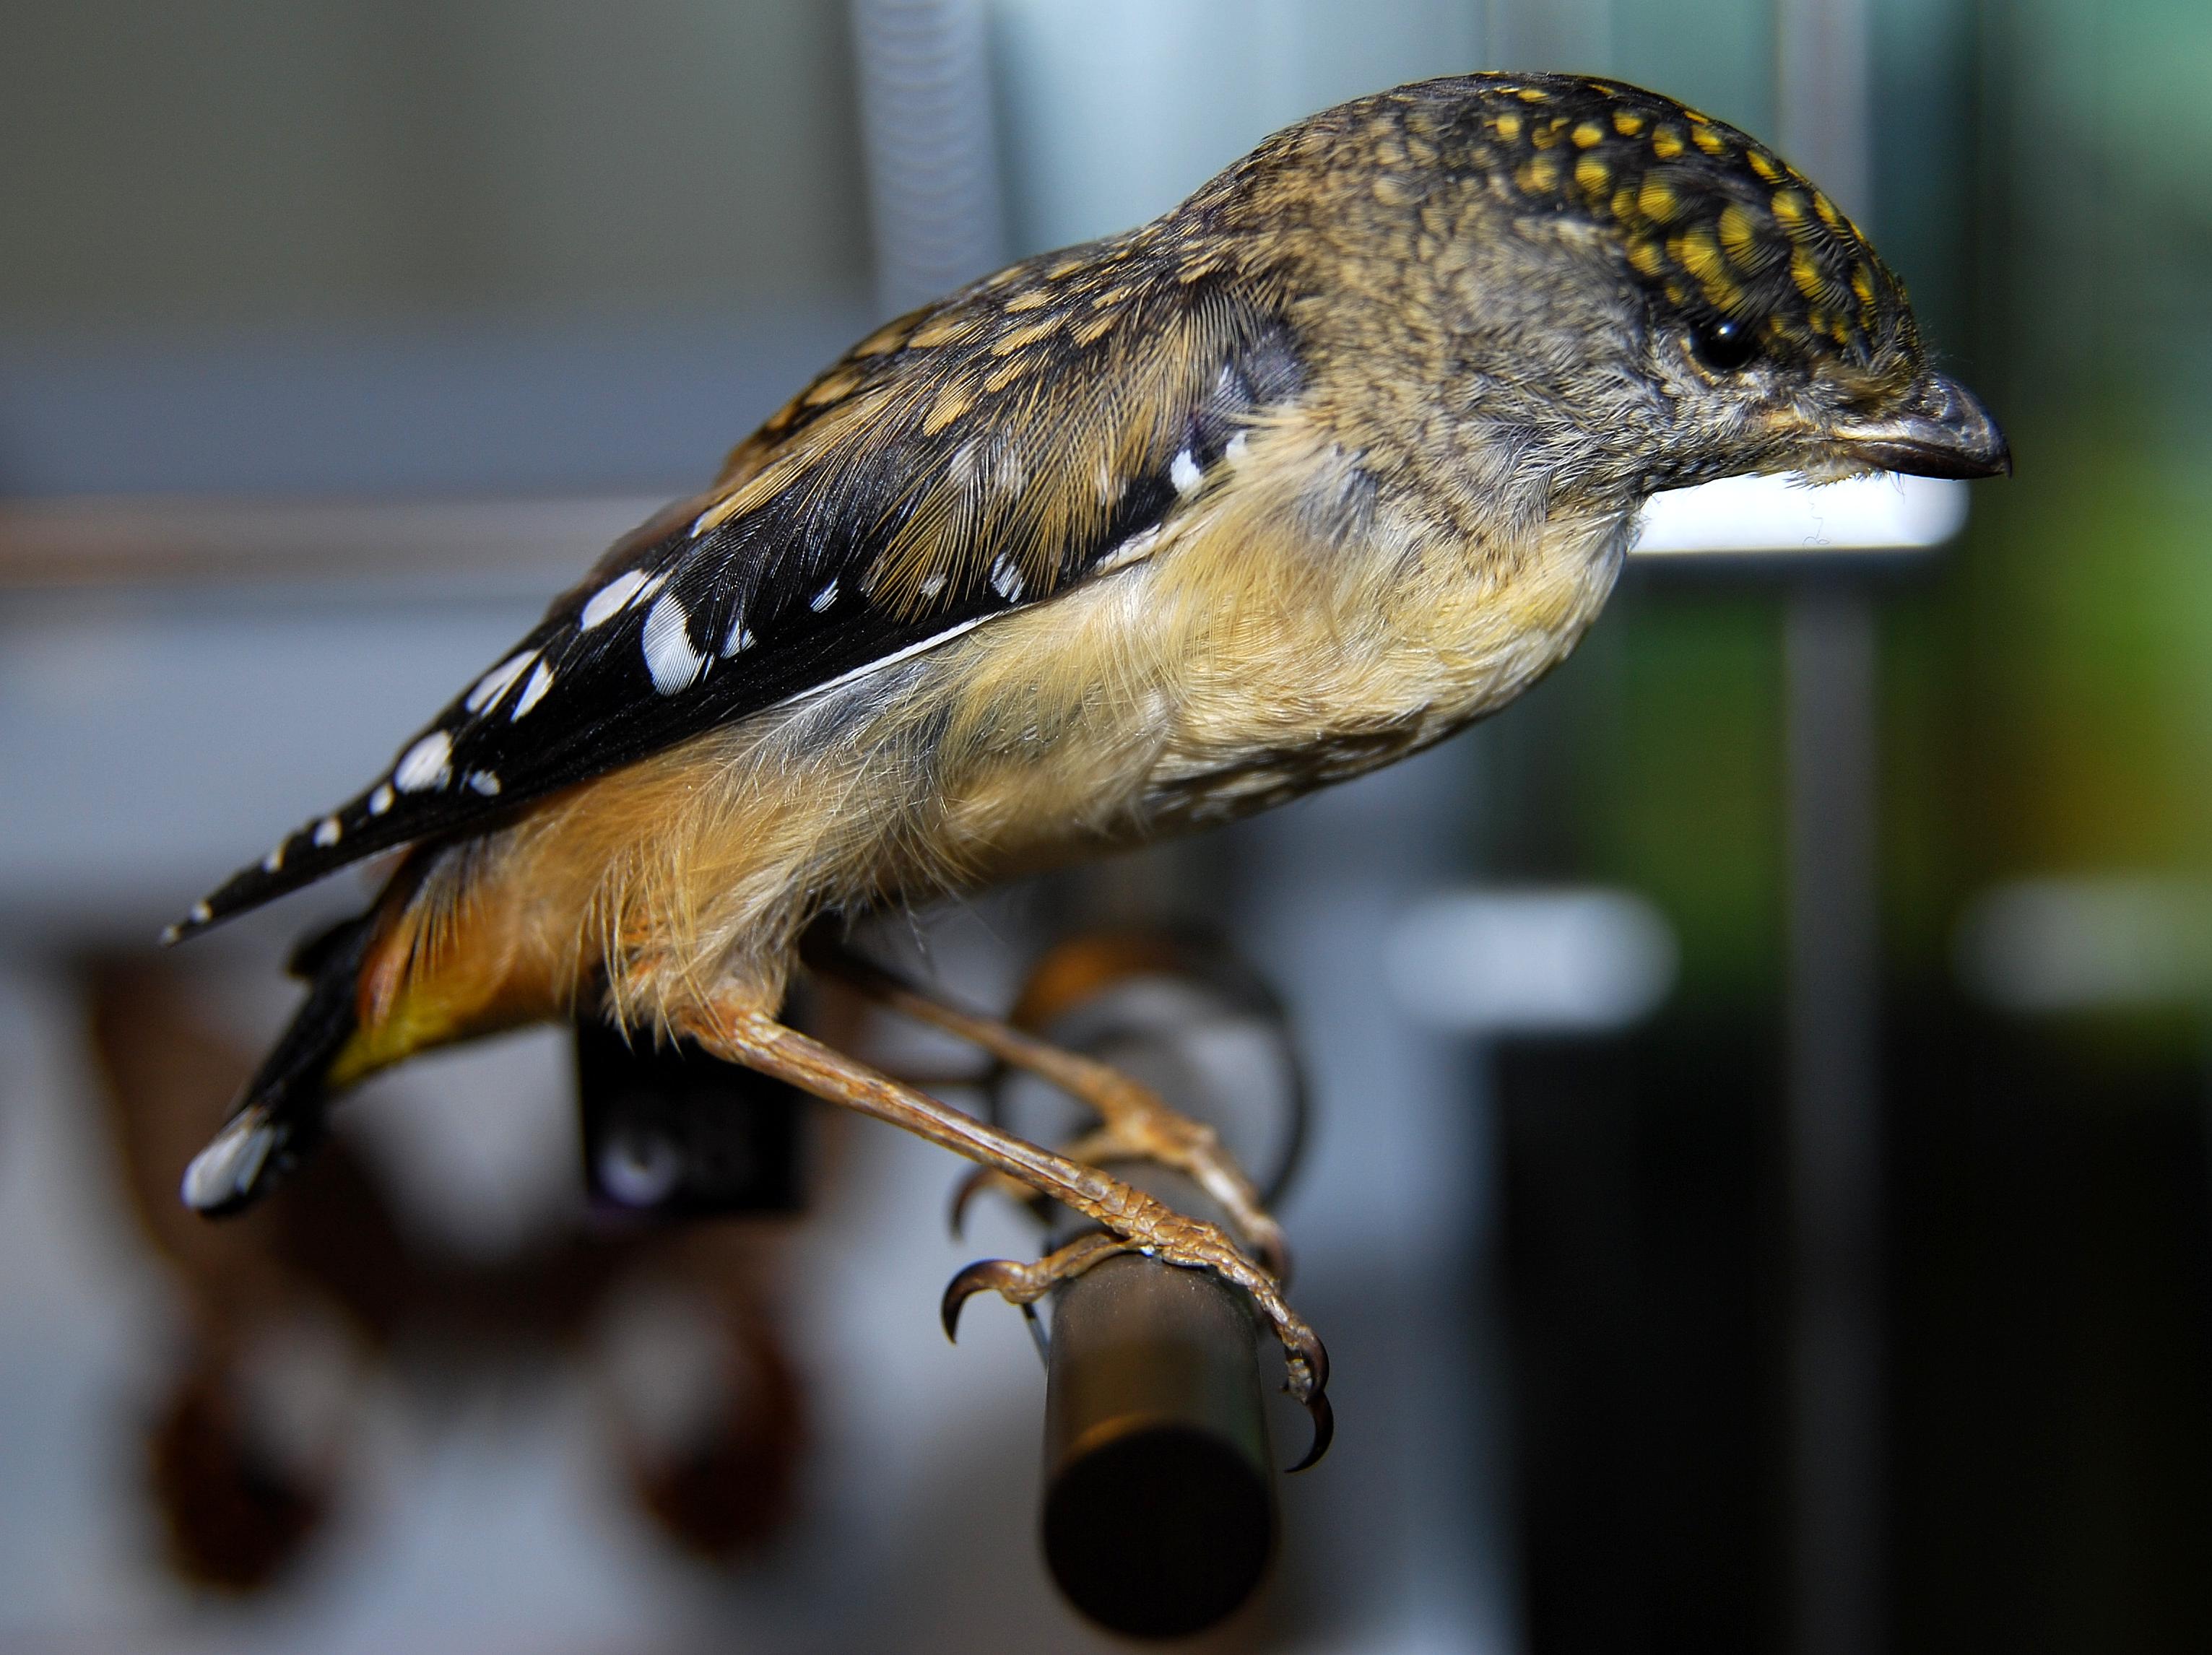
1133, 1221
1134, 1122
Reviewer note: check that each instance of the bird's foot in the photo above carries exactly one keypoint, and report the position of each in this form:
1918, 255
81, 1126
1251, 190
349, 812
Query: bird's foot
1158, 1232
1132, 1222
1134, 1122
1138, 1127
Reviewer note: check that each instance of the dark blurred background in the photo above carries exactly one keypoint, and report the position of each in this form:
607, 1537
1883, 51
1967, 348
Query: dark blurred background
1839, 1278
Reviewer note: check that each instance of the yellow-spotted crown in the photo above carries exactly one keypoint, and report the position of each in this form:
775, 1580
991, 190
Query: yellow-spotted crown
1729, 231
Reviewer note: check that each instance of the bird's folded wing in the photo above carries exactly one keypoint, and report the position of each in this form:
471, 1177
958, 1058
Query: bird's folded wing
973, 457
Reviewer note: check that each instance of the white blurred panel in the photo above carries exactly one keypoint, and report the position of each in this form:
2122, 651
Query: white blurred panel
1527, 962
1883, 512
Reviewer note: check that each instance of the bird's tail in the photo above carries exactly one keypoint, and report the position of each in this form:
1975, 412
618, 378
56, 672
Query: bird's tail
283, 1114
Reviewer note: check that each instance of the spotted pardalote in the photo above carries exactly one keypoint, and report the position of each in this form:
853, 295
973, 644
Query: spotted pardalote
1337, 456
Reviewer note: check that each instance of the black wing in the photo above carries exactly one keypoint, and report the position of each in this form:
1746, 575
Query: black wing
975, 457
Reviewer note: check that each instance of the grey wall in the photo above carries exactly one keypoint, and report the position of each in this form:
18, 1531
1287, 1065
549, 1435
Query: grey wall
237, 162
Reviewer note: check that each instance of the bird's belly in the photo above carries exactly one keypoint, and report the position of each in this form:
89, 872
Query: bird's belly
1194, 695
1318, 698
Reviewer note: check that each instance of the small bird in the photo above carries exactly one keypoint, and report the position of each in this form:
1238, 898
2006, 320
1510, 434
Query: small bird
1332, 459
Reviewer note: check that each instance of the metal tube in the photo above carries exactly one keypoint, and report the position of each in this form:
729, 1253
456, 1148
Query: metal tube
925, 104
1834, 1129
1159, 1513
1837, 1428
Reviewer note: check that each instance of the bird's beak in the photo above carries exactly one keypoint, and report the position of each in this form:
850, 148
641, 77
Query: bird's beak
1942, 431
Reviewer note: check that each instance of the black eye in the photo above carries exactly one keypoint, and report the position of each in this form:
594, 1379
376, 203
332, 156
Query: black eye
1724, 346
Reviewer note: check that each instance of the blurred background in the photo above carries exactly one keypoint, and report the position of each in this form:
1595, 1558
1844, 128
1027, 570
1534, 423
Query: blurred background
1760, 1194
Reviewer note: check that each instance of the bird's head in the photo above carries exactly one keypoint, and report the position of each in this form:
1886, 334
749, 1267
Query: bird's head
1629, 294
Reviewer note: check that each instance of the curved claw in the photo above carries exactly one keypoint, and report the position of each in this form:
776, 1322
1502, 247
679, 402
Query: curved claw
1308, 1382
962, 1193
984, 1275
1308, 1362
1324, 1431
985, 1178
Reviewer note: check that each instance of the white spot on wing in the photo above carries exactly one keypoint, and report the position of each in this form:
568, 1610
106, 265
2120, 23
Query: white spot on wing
533, 692
327, 831
201, 913
739, 639
380, 800
426, 765
822, 599
497, 682
484, 782
933, 583
274, 862
669, 656
229, 1166
611, 598
1006, 577
1184, 472
1237, 444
